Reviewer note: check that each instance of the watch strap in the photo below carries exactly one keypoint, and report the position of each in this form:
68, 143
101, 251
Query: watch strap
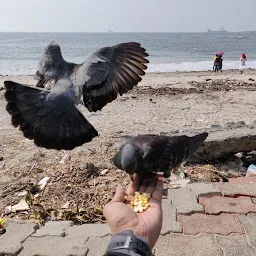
126, 240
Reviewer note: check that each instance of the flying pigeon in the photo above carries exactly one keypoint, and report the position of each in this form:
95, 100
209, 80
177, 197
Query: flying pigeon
50, 117
148, 154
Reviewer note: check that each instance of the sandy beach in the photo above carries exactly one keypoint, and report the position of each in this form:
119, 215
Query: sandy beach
162, 102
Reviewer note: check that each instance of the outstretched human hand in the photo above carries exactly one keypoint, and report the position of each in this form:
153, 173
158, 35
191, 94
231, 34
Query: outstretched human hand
121, 216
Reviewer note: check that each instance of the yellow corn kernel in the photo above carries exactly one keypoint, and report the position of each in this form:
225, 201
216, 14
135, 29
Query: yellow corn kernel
140, 202
136, 209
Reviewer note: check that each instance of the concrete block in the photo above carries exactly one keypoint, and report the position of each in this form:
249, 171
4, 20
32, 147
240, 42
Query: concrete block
203, 189
242, 180
170, 223
235, 245
100, 230
16, 233
237, 189
182, 245
53, 228
185, 200
249, 223
97, 246
219, 204
223, 224
253, 200
54, 246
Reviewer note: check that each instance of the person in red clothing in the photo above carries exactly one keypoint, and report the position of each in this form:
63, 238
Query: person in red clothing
242, 63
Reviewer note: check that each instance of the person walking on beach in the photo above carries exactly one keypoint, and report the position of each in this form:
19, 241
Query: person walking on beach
214, 59
218, 63
242, 63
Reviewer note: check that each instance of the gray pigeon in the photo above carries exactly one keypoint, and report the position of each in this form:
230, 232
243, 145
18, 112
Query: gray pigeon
149, 154
50, 117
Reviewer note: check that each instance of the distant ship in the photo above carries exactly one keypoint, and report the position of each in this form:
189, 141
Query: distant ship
221, 30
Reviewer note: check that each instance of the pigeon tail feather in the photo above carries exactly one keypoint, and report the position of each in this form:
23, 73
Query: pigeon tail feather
51, 120
196, 141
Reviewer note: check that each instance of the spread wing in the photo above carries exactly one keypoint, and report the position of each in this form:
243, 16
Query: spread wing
110, 71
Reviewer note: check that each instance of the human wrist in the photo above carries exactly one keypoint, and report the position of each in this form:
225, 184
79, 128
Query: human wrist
127, 240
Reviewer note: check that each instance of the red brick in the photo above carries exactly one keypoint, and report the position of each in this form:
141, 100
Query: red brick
243, 180
219, 204
223, 224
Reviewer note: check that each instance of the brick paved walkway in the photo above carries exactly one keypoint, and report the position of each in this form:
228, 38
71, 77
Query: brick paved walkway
202, 219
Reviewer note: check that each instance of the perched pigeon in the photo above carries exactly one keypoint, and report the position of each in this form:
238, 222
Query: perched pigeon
50, 117
147, 154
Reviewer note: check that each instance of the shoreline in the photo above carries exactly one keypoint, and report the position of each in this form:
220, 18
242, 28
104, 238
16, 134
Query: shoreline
203, 72
186, 71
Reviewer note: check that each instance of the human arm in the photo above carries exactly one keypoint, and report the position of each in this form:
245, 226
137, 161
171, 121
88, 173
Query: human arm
145, 226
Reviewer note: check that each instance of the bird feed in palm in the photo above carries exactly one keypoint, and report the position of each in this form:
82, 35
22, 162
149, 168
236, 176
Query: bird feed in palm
140, 202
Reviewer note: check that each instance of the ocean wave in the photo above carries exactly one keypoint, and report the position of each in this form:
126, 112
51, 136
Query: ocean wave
195, 66
29, 67
18, 67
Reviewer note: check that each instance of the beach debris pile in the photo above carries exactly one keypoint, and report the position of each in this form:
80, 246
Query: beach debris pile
223, 85
221, 170
208, 85
158, 91
71, 193
27, 197
79, 192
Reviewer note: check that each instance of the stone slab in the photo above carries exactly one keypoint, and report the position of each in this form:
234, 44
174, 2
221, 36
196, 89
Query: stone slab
235, 245
223, 224
54, 246
170, 223
203, 189
236, 189
219, 204
182, 245
16, 233
249, 223
228, 140
184, 200
88, 230
53, 228
97, 246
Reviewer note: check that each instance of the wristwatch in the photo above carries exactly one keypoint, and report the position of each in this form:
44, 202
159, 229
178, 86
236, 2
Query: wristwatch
127, 240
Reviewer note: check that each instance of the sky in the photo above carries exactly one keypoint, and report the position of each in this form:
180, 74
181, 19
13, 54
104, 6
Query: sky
126, 15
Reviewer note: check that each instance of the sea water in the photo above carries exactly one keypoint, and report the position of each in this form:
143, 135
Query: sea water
168, 52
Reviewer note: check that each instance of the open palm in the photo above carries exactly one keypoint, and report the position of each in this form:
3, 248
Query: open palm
121, 216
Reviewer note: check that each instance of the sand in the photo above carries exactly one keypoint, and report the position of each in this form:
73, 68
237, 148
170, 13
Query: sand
162, 102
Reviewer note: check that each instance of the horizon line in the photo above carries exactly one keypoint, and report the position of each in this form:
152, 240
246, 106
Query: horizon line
120, 32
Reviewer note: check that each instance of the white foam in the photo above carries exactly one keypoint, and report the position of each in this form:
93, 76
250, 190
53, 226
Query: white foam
196, 66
